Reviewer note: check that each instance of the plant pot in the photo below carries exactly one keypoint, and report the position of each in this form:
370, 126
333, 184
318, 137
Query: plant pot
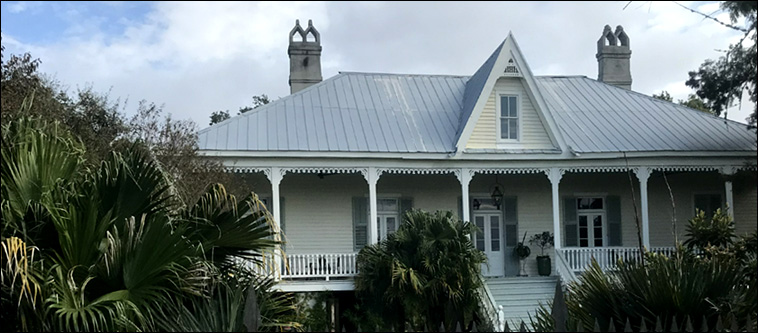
543, 265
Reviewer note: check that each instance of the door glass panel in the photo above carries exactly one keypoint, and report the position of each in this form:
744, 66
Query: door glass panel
479, 234
598, 232
495, 232
391, 227
583, 231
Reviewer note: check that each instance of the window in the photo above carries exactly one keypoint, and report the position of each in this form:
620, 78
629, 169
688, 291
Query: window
388, 217
707, 203
509, 122
591, 218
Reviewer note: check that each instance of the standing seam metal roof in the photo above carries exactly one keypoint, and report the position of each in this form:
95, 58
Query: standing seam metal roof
372, 112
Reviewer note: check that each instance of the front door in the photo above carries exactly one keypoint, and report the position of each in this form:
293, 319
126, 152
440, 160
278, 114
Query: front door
489, 240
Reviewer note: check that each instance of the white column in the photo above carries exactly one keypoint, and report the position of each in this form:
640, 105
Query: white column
276, 175
729, 171
465, 178
643, 174
372, 178
555, 176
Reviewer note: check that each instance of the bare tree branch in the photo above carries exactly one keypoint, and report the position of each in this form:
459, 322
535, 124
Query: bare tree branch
712, 18
636, 214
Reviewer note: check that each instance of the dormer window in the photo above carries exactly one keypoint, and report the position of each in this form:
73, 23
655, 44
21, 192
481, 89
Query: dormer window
509, 118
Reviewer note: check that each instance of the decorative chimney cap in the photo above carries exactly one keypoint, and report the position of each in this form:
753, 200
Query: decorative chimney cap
300, 35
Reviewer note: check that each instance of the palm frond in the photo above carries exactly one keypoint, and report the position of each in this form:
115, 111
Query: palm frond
228, 230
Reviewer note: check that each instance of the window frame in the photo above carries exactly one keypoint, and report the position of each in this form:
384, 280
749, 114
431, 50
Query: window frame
499, 117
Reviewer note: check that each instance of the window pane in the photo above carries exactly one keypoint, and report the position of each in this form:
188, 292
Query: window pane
479, 221
598, 221
513, 111
495, 233
503, 106
484, 204
582, 203
715, 203
583, 243
598, 242
582, 221
513, 127
503, 128
582, 232
596, 203
391, 227
387, 205
701, 203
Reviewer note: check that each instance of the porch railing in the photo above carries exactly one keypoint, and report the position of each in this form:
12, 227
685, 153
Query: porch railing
562, 267
329, 265
577, 258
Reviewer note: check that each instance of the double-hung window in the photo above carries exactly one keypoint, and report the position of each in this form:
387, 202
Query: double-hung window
509, 118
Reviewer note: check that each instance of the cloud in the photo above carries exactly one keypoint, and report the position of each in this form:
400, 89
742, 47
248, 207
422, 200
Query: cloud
22, 6
197, 57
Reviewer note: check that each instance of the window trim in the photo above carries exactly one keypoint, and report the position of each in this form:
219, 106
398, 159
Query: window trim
498, 116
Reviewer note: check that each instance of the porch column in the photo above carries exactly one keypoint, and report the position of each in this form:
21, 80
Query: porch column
555, 175
465, 178
372, 178
729, 171
643, 174
276, 176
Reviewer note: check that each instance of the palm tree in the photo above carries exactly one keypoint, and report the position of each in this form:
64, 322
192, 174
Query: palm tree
425, 274
112, 248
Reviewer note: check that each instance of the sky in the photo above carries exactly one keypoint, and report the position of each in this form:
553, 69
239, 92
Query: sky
198, 57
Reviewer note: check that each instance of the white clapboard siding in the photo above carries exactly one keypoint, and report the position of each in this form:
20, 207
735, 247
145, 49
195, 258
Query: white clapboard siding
533, 135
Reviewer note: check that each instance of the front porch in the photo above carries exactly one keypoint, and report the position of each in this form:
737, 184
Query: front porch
328, 214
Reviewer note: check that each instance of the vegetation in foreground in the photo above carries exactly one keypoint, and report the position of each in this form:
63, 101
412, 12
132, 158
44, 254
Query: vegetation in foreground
711, 276
425, 274
111, 246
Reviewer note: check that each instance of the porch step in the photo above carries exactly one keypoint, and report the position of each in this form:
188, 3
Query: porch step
521, 296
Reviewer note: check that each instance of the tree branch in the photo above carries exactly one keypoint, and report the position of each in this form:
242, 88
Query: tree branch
713, 18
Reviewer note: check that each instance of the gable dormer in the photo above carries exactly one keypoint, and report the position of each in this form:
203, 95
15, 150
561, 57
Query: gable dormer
507, 111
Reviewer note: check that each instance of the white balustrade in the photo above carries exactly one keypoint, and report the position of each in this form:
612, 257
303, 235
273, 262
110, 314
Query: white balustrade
577, 258
327, 265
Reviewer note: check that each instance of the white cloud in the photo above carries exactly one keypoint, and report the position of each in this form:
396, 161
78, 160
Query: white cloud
22, 6
200, 57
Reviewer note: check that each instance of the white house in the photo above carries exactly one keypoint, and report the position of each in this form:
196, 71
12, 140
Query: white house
341, 159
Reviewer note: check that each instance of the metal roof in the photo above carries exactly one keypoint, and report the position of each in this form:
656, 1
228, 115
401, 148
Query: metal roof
475, 87
597, 117
351, 112
365, 112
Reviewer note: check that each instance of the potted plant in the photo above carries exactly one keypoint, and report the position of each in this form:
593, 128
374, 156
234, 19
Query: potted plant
543, 240
522, 251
